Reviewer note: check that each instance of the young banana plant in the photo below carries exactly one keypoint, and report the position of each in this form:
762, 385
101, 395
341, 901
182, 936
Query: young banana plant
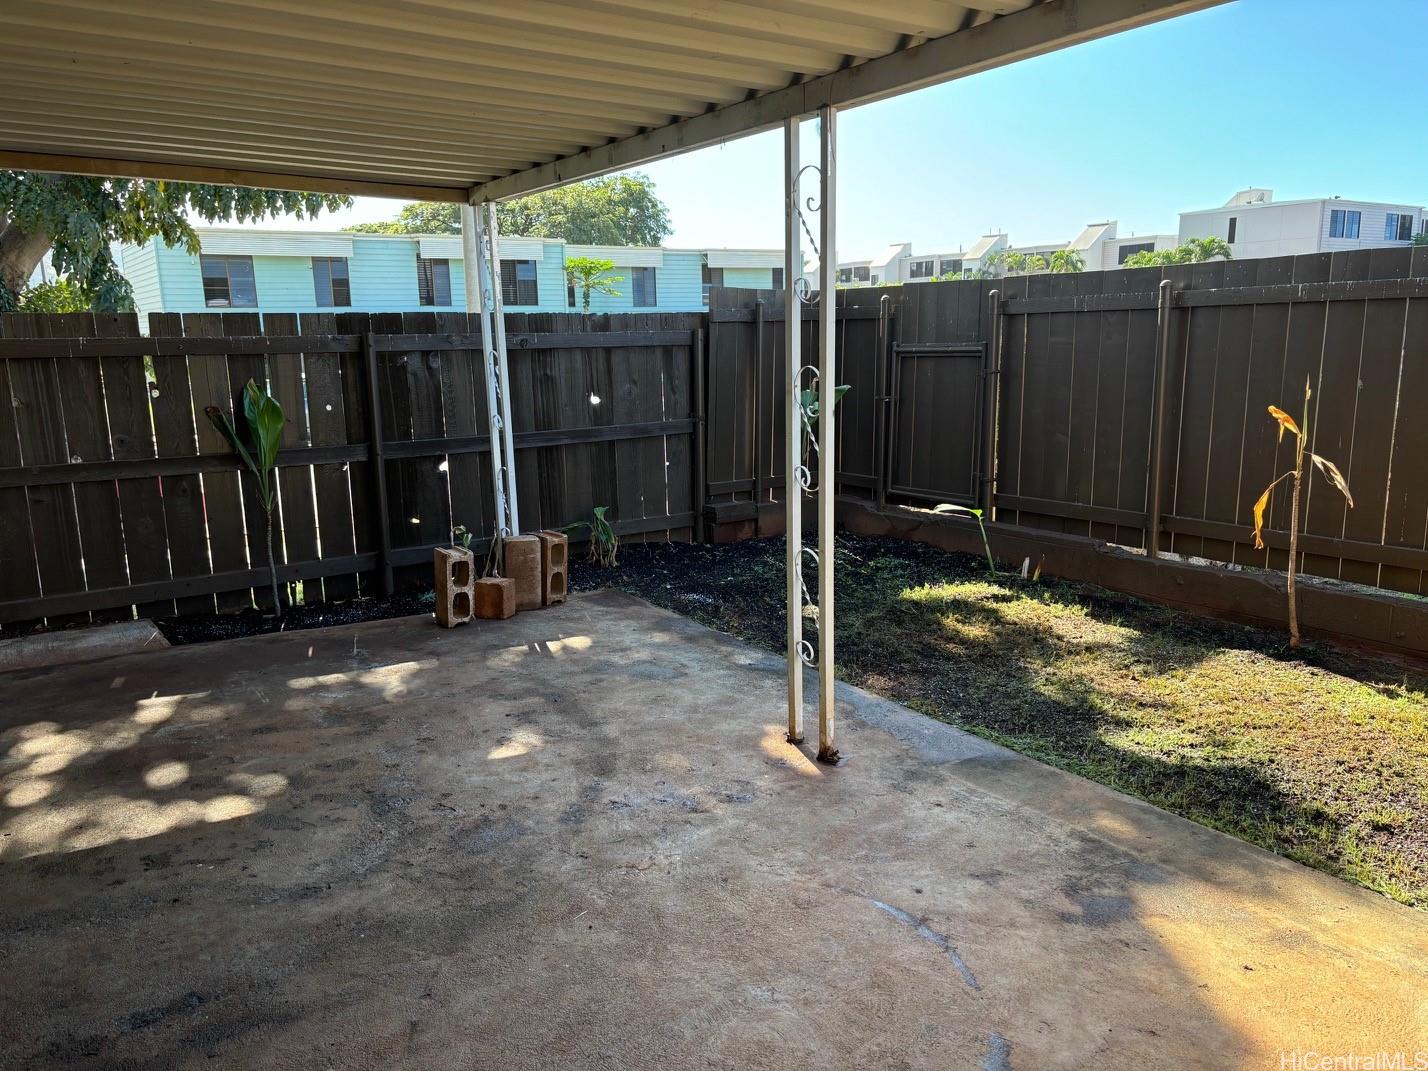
263, 417
1298, 475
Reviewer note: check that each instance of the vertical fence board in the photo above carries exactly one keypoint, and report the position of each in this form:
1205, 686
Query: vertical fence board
175, 436
1233, 341
39, 417
1263, 378
1405, 522
222, 498
1083, 400
128, 405
463, 401
19, 572
298, 512
327, 426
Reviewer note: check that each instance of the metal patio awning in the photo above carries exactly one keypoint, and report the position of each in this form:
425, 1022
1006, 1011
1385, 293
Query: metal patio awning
450, 99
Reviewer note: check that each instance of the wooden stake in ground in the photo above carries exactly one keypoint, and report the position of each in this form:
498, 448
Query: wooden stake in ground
1327, 467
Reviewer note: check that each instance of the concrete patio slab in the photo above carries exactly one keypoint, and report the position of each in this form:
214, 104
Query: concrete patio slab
577, 839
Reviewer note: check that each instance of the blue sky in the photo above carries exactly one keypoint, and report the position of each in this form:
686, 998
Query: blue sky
1310, 98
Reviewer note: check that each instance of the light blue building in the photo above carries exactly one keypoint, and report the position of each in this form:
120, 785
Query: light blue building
339, 271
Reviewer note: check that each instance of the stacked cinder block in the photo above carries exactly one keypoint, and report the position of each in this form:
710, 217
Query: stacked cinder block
554, 566
455, 586
522, 567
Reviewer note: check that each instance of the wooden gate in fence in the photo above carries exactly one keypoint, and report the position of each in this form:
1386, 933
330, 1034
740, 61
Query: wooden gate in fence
116, 491
1075, 364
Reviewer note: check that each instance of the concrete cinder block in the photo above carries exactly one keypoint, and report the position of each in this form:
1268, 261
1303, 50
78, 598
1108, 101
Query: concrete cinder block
455, 585
495, 598
554, 566
522, 565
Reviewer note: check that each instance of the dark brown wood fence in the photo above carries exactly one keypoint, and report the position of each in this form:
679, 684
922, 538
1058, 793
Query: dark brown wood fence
1075, 359
117, 492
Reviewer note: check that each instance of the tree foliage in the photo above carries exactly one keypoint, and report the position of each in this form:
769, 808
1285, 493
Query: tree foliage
591, 275
618, 210
419, 217
57, 295
1192, 251
78, 217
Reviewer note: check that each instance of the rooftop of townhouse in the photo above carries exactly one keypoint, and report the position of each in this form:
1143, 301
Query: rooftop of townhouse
1248, 200
299, 242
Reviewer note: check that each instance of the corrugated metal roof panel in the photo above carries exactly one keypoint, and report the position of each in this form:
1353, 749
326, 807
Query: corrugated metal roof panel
431, 99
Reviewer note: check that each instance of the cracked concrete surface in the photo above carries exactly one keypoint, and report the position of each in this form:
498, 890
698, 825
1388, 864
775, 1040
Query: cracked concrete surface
577, 839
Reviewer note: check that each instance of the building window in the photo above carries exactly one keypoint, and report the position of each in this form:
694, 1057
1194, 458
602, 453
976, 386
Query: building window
331, 283
570, 294
433, 281
875, 280
518, 283
711, 277
228, 282
1232, 229
778, 283
642, 285
1344, 223
920, 269
953, 267
845, 275
1128, 251
1398, 227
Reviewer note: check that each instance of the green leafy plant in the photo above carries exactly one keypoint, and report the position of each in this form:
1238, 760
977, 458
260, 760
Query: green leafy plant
1067, 262
952, 507
1191, 251
1297, 474
263, 425
604, 543
591, 275
808, 401
461, 537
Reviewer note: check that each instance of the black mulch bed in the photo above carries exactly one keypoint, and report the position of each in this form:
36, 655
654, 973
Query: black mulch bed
201, 628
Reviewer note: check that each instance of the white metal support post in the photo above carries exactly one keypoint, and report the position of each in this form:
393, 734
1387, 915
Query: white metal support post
498, 313
482, 298
793, 433
827, 393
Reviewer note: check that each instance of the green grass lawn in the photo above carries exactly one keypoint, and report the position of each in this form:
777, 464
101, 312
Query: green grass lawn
1318, 755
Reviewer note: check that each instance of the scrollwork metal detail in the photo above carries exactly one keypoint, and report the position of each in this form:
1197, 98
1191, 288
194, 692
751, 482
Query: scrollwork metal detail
807, 650
814, 203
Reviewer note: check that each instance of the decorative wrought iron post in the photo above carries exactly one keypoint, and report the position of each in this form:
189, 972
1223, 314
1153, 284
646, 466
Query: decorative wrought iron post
827, 441
480, 298
794, 470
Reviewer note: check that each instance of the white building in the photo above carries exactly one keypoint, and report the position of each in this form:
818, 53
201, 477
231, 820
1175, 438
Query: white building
1256, 225
1097, 244
1252, 222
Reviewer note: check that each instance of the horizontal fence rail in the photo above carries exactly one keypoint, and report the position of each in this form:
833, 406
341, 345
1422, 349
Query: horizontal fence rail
117, 493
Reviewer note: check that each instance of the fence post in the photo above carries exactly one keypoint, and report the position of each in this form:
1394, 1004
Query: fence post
697, 366
991, 379
1157, 420
758, 450
882, 399
377, 452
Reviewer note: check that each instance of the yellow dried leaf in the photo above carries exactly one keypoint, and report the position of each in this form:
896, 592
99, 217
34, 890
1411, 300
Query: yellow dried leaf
1259, 508
1286, 422
1329, 469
